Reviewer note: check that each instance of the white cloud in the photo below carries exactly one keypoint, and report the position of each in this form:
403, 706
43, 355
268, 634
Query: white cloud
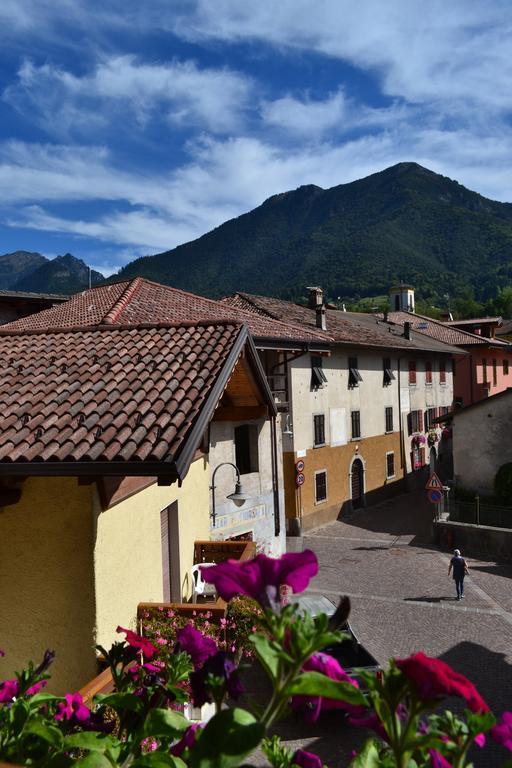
421, 51
306, 117
180, 91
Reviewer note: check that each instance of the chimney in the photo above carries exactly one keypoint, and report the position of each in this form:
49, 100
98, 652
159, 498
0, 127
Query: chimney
320, 317
316, 297
407, 331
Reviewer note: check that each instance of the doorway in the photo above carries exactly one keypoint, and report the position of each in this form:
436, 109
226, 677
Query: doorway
357, 484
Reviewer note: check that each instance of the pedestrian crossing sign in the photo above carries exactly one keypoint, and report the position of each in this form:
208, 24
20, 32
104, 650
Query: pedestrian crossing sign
434, 483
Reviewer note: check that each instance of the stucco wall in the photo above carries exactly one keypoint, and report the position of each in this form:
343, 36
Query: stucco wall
481, 443
300, 503
46, 580
256, 515
127, 550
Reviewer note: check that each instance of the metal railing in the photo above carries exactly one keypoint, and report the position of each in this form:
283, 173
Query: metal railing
480, 513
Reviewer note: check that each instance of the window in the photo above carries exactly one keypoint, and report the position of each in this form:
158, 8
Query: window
388, 415
415, 421
320, 486
430, 415
442, 372
318, 377
494, 372
412, 372
356, 424
428, 372
354, 377
505, 367
246, 448
388, 373
390, 464
484, 371
319, 430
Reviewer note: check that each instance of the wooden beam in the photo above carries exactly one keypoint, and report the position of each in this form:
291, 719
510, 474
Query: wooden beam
245, 413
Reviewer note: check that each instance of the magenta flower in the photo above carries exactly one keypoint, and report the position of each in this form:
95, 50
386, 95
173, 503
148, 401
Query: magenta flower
480, 740
35, 688
328, 666
138, 643
187, 741
437, 759
502, 731
370, 721
198, 646
433, 679
2, 653
73, 708
306, 759
262, 577
224, 670
9, 689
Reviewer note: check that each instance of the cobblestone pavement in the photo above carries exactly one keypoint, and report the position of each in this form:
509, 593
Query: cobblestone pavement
403, 601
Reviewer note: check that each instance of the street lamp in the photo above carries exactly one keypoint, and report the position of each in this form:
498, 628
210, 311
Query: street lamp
238, 496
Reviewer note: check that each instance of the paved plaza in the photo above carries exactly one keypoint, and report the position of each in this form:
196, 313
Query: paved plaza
403, 601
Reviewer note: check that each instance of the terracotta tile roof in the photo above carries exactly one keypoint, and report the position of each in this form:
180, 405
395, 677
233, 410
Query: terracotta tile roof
143, 301
441, 331
110, 394
353, 328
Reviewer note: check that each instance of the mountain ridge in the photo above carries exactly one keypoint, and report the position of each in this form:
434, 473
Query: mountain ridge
405, 222
31, 272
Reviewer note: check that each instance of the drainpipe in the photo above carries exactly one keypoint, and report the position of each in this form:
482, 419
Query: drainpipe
400, 423
275, 476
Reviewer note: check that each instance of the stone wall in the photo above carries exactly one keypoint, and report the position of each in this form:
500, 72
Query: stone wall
477, 540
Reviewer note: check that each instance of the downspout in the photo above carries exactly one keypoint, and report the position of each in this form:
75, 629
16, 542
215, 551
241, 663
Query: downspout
275, 478
402, 447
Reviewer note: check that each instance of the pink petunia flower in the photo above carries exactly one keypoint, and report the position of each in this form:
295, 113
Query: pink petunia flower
434, 679
72, 708
187, 740
438, 761
328, 666
198, 646
305, 759
502, 731
35, 688
262, 577
138, 642
9, 689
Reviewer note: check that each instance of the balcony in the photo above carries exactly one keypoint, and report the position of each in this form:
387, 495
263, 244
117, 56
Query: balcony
204, 552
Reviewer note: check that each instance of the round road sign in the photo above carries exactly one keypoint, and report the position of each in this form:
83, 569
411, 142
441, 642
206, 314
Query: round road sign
299, 466
435, 496
299, 480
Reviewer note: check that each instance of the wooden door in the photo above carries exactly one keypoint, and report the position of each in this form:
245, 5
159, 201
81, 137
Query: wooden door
357, 483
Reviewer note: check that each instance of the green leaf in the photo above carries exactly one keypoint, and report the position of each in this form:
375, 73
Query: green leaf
268, 655
120, 701
94, 760
43, 698
158, 760
91, 740
367, 757
227, 739
49, 733
316, 684
165, 722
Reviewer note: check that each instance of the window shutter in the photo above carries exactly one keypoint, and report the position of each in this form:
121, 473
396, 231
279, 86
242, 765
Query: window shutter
409, 424
420, 421
422, 457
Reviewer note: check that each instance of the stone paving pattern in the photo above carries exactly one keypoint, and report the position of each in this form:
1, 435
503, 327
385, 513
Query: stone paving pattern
403, 601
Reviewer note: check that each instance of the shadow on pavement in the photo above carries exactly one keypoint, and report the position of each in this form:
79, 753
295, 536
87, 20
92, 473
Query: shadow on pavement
497, 569
430, 599
492, 675
406, 515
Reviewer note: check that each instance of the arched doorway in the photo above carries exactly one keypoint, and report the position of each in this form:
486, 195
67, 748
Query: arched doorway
357, 483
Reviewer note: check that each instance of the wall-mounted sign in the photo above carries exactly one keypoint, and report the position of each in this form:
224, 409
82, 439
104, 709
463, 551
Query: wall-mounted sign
300, 479
299, 466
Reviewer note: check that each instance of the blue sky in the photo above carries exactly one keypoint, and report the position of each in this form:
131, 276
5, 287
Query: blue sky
128, 126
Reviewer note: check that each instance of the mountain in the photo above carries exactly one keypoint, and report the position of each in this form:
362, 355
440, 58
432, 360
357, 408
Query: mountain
16, 266
405, 222
65, 274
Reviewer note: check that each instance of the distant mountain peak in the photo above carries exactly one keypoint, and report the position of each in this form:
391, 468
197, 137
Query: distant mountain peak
34, 273
354, 239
